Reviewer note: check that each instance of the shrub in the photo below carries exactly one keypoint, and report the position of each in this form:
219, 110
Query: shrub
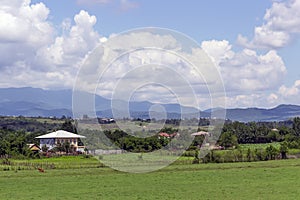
271, 152
228, 156
100, 157
283, 150
259, 154
188, 154
293, 145
87, 156
249, 155
238, 155
196, 157
206, 158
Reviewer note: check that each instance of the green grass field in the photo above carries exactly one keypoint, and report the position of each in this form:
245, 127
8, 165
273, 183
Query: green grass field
259, 146
255, 180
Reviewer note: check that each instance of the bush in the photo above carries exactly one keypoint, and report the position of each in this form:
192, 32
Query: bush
259, 154
228, 156
238, 155
196, 161
293, 145
100, 157
87, 156
249, 155
196, 157
271, 152
189, 154
283, 150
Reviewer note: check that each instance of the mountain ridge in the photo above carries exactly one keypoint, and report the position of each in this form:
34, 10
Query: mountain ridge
29, 101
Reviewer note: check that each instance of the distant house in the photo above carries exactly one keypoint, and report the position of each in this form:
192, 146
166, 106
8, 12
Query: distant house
52, 140
166, 135
200, 133
106, 120
33, 147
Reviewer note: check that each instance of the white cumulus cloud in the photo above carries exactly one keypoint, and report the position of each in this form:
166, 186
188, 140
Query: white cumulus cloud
246, 71
24, 28
31, 54
69, 49
281, 24
292, 91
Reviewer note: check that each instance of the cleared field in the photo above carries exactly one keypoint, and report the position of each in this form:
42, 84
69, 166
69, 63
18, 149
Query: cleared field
259, 146
255, 180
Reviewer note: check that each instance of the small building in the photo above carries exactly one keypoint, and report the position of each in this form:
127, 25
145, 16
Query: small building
33, 147
164, 135
200, 133
52, 140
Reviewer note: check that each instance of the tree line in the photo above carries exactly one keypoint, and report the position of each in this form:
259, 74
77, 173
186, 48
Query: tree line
261, 132
17, 132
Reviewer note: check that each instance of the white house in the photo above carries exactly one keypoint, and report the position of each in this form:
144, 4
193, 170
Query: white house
59, 137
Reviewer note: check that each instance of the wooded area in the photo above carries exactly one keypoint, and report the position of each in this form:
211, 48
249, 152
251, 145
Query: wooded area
17, 132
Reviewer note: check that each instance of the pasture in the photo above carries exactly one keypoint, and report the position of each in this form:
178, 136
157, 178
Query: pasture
248, 180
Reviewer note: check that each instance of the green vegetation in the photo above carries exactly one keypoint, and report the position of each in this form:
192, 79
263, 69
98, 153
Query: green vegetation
17, 132
259, 146
26, 174
255, 180
60, 162
276, 139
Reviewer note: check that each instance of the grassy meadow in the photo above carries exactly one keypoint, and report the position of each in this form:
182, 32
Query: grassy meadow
253, 180
84, 177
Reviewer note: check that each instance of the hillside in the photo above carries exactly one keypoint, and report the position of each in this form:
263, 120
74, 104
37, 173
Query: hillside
38, 102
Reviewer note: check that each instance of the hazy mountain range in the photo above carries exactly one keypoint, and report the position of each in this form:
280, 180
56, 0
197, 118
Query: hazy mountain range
29, 101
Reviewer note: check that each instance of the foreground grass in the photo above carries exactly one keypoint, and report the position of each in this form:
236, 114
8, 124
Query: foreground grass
257, 180
64, 162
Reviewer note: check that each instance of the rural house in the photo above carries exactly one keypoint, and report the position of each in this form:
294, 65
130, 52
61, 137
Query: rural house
51, 140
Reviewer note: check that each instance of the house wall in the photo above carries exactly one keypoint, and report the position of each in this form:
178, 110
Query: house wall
72, 141
52, 142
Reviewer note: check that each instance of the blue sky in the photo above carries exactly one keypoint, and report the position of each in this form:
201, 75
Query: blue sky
202, 20
255, 45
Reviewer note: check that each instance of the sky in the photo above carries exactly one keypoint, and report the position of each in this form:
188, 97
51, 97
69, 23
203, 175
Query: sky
255, 46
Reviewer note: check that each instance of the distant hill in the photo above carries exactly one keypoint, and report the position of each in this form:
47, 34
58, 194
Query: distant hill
279, 113
29, 101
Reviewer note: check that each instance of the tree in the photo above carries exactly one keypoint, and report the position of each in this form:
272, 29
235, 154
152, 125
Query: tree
67, 147
274, 136
283, 130
44, 148
296, 126
13, 143
283, 150
228, 139
271, 152
68, 126
198, 140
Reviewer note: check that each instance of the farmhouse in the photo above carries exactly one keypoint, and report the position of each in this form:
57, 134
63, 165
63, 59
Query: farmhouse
53, 139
